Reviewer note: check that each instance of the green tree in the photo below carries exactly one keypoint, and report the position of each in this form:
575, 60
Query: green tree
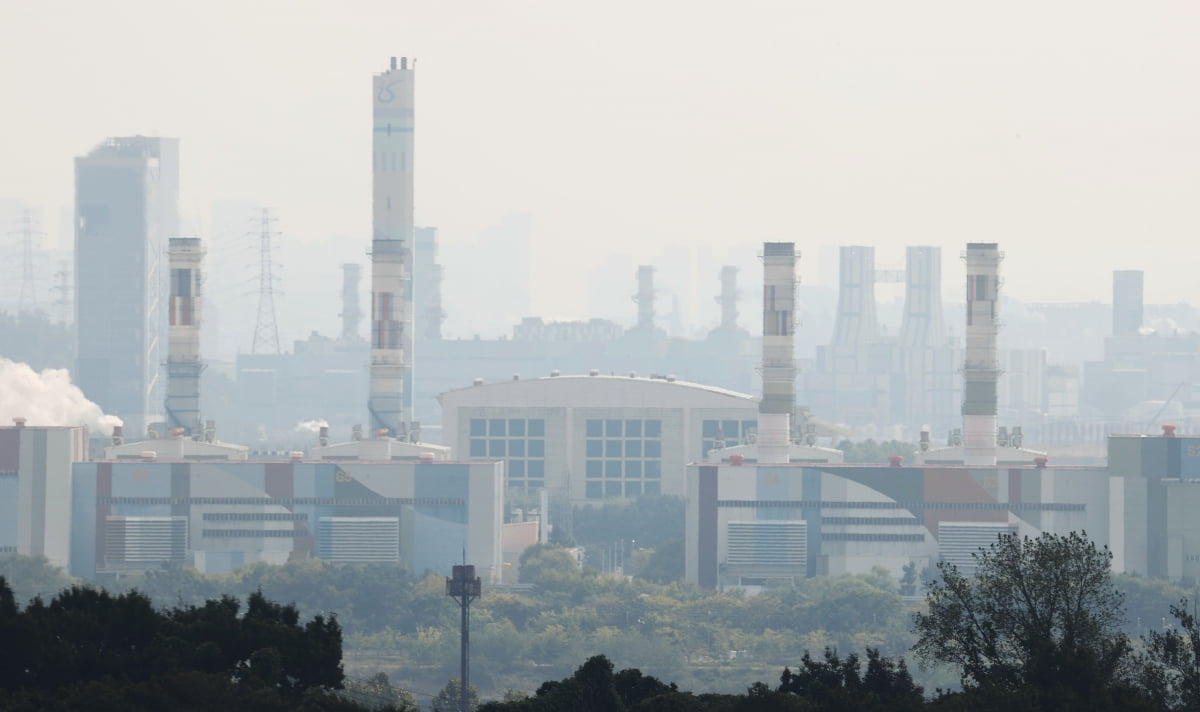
1040, 620
31, 576
1172, 666
842, 684
540, 562
377, 693
449, 698
663, 564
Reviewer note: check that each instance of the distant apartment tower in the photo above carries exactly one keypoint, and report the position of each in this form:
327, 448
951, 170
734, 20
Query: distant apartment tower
427, 287
1127, 301
126, 207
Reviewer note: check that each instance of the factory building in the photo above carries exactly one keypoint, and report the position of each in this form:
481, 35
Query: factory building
126, 206
595, 436
134, 515
35, 487
748, 524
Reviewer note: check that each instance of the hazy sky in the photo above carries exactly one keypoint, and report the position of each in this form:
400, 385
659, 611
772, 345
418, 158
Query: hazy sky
1068, 131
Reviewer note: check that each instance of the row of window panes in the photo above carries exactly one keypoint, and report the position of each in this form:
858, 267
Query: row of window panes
498, 447
617, 488
508, 427
518, 469
730, 429
616, 469
624, 448
617, 428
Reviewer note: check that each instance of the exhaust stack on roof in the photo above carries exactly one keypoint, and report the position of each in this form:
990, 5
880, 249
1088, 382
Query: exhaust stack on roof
391, 256
185, 255
981, 367
779, 364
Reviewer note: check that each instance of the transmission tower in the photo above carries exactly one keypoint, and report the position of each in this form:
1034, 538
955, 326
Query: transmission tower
27, 302
266, 331
62, 287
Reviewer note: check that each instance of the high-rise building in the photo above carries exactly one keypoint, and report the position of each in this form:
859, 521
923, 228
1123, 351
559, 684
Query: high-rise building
126, 207
1127, 301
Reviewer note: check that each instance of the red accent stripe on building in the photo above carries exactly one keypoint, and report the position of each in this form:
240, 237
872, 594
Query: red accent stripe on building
706, 544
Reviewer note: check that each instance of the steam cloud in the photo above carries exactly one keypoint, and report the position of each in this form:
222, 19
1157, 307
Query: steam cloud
311, 426
48, 398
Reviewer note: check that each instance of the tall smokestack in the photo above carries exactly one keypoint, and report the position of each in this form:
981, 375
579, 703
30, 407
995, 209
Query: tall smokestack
981, 368
779, 364
856, 324
1127, 301
185, 257
645, 298
391, 256
923, 323
351, 311
728, 298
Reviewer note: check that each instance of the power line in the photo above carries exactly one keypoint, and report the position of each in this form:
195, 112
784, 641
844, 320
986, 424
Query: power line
266, 330
27, 301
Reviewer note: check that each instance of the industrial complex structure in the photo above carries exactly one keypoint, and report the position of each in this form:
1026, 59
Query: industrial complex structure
588, 410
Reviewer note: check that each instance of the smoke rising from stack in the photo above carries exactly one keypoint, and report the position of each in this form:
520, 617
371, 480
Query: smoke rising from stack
311, 426
48, 399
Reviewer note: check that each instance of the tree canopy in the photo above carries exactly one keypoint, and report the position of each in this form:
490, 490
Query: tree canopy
1040, 619
91, 649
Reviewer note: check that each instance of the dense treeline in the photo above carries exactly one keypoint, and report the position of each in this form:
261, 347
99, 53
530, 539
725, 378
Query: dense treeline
405, 626
88, 649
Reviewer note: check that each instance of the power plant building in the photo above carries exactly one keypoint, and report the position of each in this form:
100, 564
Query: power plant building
139, 514
35, 486
597, 436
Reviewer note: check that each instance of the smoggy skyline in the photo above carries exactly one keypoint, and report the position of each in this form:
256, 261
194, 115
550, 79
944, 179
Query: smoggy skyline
1064, 132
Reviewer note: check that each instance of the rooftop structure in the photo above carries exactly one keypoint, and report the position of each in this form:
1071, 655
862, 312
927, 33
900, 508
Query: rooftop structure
390, 402
185, 258
981, 367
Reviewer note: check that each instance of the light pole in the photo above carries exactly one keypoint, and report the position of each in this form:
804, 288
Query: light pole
464, 586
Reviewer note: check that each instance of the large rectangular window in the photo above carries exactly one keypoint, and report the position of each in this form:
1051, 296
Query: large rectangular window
520, 442
622, 453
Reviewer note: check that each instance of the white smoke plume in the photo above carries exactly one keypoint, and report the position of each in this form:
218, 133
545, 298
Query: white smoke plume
48, 398
311, 426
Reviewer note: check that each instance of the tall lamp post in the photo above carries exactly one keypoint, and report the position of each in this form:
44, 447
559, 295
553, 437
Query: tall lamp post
464, 586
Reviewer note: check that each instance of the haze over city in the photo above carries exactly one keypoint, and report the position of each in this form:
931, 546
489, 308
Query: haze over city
529, 356
1063, 131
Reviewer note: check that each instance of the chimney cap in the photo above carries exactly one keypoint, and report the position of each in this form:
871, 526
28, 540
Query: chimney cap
895, 460
19, 421
1168, 431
